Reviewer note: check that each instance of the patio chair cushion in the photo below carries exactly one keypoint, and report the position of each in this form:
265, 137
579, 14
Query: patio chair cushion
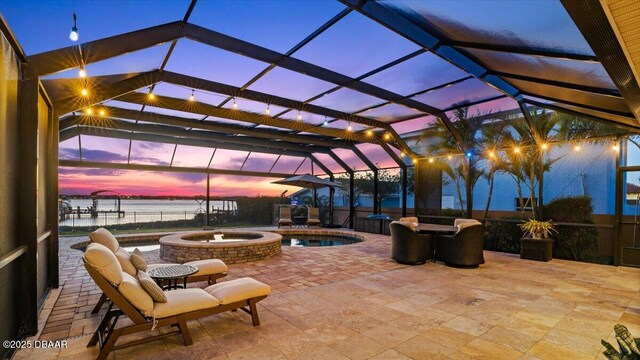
467, 224
410, 225
184, 300
237, 290
457, 222
138, 260
209, 266
151, 287
105, 237
105, 262
409, 219
131, 289
124, 258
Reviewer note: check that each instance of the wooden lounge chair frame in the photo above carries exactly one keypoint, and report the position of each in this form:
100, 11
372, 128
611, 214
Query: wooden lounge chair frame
211, 279
284, 221
315, 220
107, 334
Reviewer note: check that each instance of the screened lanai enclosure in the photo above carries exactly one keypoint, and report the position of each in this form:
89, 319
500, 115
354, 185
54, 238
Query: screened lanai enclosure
423, 100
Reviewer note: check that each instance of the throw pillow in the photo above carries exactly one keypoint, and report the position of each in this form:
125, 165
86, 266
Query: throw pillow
138, 260
151, 287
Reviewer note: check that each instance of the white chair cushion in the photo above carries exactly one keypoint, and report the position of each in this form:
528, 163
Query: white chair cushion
131, 289
467, 224
409, 219
124, 258
106, 238
105, 262
209, 266
457, 222
237, 290
184, 300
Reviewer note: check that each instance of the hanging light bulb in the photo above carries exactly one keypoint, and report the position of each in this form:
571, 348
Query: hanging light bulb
615, 148
102, 112
88, 111
299, 116
492, 154
577, 147
387, 136
414, 160
544, 146
516, 149
267, 110
402, 154
192, 98
151, 96
235, 104
349, 128
369, 132
82, 72
326, 122
73, 35
431, 160
449, 157
84, 92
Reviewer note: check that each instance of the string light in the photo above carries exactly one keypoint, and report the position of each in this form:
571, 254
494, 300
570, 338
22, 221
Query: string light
73, 35
544, 146
492, 154
387, 136
431, 160
516, 149
82, 72
102, 112
88, 111
235, 104
402, 154
449, 157
370, 133
615, 148
349, 128
299, 116
267, 110
414, 160
469, 154
84, 92
577, 147
326, 122
151, 96
192, 98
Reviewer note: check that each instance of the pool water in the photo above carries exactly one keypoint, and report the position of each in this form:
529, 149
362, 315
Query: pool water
317, 240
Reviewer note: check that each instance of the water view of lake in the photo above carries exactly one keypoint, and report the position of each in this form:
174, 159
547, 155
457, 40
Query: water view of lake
138, 210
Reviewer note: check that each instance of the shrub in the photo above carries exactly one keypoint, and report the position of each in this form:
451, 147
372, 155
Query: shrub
504, 235
573, 242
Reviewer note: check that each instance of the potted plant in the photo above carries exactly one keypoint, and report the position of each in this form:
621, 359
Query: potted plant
536, 243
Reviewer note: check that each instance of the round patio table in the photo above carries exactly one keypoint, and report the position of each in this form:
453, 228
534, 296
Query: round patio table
171, 274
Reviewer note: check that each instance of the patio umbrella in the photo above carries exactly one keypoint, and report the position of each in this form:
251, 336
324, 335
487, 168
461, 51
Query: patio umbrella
311, 182
307, 181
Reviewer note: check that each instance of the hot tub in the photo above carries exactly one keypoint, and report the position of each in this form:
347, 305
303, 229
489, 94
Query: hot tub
230, 246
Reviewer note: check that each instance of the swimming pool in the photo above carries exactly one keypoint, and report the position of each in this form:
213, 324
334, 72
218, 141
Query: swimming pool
315, 240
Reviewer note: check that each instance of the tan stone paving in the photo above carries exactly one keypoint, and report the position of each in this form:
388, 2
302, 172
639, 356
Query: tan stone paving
353, 302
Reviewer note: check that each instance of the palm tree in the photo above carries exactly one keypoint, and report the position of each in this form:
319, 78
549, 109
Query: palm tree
491, 139
466, 169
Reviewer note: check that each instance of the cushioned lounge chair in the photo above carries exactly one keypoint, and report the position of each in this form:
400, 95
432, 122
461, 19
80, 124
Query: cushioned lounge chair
313, 217
285, 217
409, 219
131, 300
409, 247
464, 248
209, 270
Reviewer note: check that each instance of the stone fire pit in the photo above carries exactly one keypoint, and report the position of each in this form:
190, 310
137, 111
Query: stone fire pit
238, 246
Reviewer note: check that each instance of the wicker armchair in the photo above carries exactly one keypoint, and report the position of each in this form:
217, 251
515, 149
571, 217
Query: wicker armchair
464, 248
409, 247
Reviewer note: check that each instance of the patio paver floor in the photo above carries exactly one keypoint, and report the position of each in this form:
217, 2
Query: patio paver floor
353, 302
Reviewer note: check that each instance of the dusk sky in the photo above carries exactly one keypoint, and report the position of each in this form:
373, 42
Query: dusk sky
354, 46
